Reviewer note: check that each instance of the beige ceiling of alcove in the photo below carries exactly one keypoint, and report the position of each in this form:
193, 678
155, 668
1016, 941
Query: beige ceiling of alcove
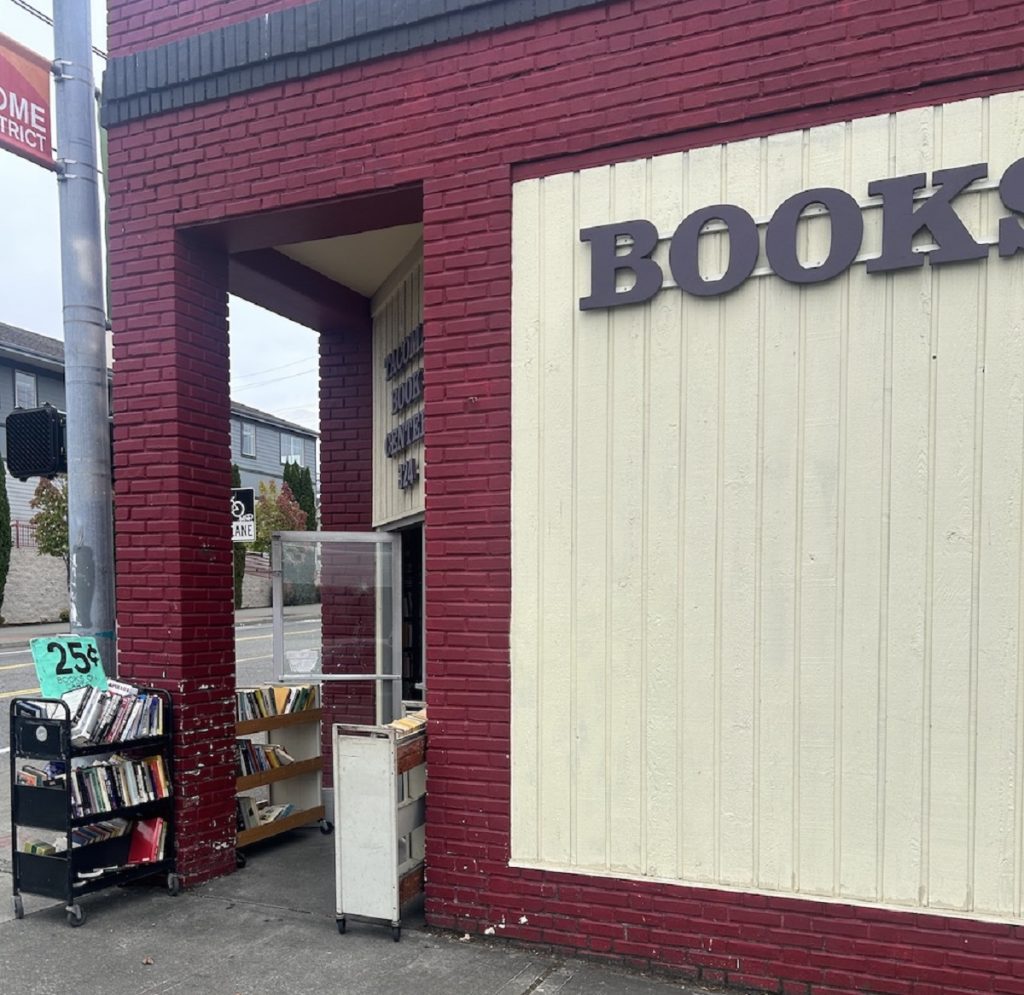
361, 262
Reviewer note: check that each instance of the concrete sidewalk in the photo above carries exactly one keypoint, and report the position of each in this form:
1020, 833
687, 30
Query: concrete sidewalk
269, 929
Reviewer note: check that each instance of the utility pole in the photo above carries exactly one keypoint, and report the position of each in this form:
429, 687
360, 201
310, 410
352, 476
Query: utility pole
90, 502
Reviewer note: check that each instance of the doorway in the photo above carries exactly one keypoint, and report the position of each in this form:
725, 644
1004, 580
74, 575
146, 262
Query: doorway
413, 615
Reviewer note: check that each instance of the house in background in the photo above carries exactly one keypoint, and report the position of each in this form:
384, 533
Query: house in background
262, 445
32, 374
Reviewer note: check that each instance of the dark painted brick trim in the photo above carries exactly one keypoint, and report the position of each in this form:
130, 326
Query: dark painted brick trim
298, 42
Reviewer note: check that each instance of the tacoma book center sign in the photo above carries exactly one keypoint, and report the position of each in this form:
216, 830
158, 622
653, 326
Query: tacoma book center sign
25, 103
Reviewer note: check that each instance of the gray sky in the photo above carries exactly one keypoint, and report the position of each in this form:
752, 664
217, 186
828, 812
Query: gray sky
273, 361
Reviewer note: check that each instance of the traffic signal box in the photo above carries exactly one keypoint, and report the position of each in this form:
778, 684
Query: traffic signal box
36, 442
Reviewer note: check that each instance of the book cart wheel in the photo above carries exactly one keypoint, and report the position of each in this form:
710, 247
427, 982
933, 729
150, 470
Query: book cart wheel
240, 860
19, 907
326, 827
76, 915
173, 884
396, 933
341, 924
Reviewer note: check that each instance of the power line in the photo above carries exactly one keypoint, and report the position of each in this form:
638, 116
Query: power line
46, 19
271, 369
264, 383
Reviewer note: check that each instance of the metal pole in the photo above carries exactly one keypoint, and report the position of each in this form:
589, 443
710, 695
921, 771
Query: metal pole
90, 521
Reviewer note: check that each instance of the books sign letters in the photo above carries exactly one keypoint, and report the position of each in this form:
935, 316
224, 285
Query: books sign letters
64, 663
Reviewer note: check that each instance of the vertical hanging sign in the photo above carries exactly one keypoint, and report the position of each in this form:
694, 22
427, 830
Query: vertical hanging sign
25, 103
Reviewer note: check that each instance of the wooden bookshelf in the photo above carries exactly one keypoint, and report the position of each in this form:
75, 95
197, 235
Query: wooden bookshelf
262, 777
250, 726
297, 784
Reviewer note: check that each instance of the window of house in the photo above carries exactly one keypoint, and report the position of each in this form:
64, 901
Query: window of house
248, 438
24, 390
291, 449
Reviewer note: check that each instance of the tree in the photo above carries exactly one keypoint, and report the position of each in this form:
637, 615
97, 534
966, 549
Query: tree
5, 536
51, 519
300, 480
276, 511
239, 549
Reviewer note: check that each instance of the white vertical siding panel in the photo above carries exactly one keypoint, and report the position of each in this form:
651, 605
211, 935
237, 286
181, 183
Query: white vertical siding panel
955, 359
997, 808
738, 418
663, 545
767, 550
777, 799
527, 310
819, 578
861, 538
556, 487
700, 526
908, 511
626, 713
591, 540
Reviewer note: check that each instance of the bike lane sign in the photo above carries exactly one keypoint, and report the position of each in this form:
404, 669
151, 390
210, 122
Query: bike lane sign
243, 514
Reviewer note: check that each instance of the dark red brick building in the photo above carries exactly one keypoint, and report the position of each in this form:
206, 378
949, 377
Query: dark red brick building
711, 723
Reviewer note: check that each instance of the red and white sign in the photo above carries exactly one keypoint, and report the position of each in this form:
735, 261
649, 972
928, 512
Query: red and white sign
25, 103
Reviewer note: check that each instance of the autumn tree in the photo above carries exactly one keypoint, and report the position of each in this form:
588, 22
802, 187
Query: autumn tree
300, 480
51, 519
276, 511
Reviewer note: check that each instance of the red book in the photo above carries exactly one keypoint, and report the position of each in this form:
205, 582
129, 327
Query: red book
147, 841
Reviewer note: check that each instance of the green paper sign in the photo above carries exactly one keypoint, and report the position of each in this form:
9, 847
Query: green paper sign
64, 663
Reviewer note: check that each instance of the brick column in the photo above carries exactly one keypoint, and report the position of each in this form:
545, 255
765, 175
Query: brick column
172, 461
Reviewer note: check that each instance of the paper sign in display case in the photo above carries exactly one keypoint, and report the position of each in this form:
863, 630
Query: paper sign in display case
380, 808
91, 794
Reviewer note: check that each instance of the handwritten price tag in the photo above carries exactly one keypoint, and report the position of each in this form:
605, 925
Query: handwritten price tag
64, 663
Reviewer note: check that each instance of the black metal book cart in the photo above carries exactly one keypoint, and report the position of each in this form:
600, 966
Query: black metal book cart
87, 817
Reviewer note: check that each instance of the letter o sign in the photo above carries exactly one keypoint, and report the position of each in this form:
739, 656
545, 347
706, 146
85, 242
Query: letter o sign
743, 249
847, 233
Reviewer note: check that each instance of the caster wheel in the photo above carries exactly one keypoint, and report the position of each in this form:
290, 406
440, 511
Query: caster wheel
341, 924
173, 884
19, 907
240, 860
75, 915
396, 933
326, 827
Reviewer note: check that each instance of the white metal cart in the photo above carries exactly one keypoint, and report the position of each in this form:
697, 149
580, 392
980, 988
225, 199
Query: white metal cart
380, 811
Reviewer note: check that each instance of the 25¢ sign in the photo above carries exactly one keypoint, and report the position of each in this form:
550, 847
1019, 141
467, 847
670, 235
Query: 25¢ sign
64, 663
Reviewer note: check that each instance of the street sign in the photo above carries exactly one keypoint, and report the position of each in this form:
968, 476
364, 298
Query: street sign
25, 103
243, 514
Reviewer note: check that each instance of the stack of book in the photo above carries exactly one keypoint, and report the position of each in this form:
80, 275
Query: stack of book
251, 812
147, 842
255, 757
410, 723
50, 776
262, 702
119, 714
118, 783
98, 831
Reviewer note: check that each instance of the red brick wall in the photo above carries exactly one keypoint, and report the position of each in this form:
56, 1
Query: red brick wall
172, 473
608, 83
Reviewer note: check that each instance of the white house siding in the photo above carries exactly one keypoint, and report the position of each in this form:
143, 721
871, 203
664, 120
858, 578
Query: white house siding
767, 547
397, 308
